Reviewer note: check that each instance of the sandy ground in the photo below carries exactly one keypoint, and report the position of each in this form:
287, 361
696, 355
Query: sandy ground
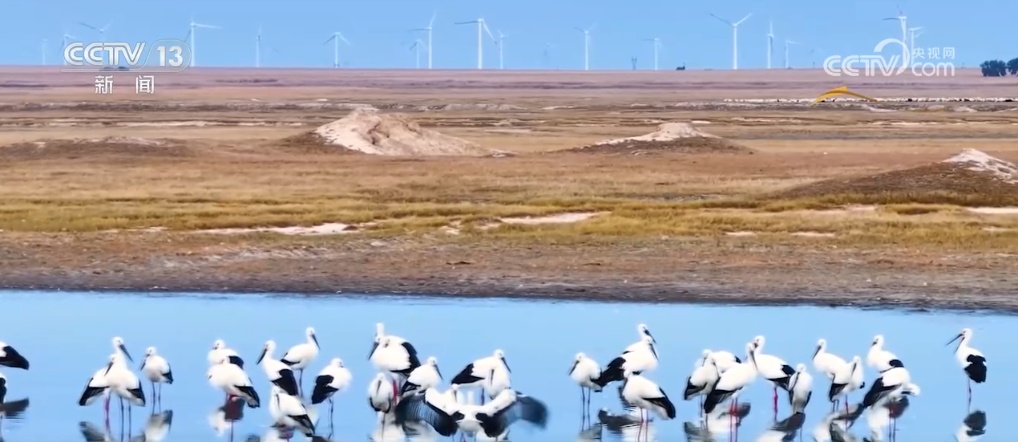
232, 112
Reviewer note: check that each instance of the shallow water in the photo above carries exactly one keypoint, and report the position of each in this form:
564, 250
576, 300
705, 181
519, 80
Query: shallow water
67, 337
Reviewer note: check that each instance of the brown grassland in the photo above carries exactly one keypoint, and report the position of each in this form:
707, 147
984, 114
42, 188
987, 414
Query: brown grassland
128, 212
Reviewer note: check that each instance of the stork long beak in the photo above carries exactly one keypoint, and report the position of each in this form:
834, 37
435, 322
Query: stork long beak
506, 365
955, 339
315, 338
815, 353
262, 356
647, 332
126, 353
577, 362
108, 367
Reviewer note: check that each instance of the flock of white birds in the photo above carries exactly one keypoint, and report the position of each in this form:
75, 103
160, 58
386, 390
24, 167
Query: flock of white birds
406, 391
719, 376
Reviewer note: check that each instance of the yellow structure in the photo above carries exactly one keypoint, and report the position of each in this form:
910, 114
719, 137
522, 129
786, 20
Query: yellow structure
841, 90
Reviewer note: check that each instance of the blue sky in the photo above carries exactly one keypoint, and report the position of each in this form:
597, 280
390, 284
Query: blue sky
296, 29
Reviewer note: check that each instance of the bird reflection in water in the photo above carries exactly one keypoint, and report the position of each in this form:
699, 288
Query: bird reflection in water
973, 426
626, 425
784, 430
13, 410
224, 417
720, 421
157, 426
884, 416
834, 426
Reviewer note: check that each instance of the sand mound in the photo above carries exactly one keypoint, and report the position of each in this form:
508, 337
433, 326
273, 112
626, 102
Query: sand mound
670, 137
368, 131
94, 147
971, 177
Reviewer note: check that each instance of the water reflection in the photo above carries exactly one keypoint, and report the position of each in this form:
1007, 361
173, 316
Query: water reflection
13, 410
157, 426
784, 430
834, 425
882, 418
721, 421
592, 432
973, 426
224, 417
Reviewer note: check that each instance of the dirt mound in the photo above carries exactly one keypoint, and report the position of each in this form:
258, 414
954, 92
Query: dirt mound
94, 147
970, 178
669, 137
368, 131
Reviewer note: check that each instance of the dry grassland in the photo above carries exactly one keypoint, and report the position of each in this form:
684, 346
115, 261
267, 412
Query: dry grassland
243, 172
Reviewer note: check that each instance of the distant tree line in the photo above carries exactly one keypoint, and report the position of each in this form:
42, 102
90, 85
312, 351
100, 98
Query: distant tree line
999, 68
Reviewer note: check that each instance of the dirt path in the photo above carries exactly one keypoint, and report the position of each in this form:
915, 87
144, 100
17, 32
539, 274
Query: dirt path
667, 270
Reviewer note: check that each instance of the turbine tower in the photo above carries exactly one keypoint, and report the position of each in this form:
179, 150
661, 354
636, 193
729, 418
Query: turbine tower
66, 39
428, 29
735, 37
903, 21
101, 30
258, 48
657, 46
912, 34
501, 48
481, 29
770, 43
335, 39
586, 45
190, 33
787, 43
416, 47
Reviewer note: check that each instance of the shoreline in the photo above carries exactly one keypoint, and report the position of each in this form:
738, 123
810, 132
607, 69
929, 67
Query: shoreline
661, 293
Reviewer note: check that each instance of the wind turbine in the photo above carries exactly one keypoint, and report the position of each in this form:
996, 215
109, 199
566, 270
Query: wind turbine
258, 48
190, 33
428, 30
44, 41
657, 46
735, 37
101, 30
903, 20
787, 43
770, 43
335, 39
500, 42
912, 34
66, 39
481, 29
586, 45
416, 47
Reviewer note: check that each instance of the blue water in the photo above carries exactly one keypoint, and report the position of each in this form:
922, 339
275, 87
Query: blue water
66, 336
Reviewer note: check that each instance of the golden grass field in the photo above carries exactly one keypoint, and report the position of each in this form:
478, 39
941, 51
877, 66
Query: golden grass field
236, 170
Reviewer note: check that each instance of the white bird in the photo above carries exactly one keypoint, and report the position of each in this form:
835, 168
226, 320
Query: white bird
772, 368
641, 330
156, 370
233, 381
703, 378
220, 351
119, 347
479, 372
97, 387
892, 384
278, 373
423, 377
334, 377
432, 407
827, 363
124, 383
9, 357
638, 357
380, 397
394, 355
288, 412
850, 378
723, 359
881, 359
301, 355
585, 372
646, 395
800, 389
970, 359
732, 382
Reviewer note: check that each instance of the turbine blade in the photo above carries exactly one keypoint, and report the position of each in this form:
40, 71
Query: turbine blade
743, 19
330, 39
343, 38
485, 26
720, 19
88, 25
432, 21
465, 22
591, 28
104, 28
